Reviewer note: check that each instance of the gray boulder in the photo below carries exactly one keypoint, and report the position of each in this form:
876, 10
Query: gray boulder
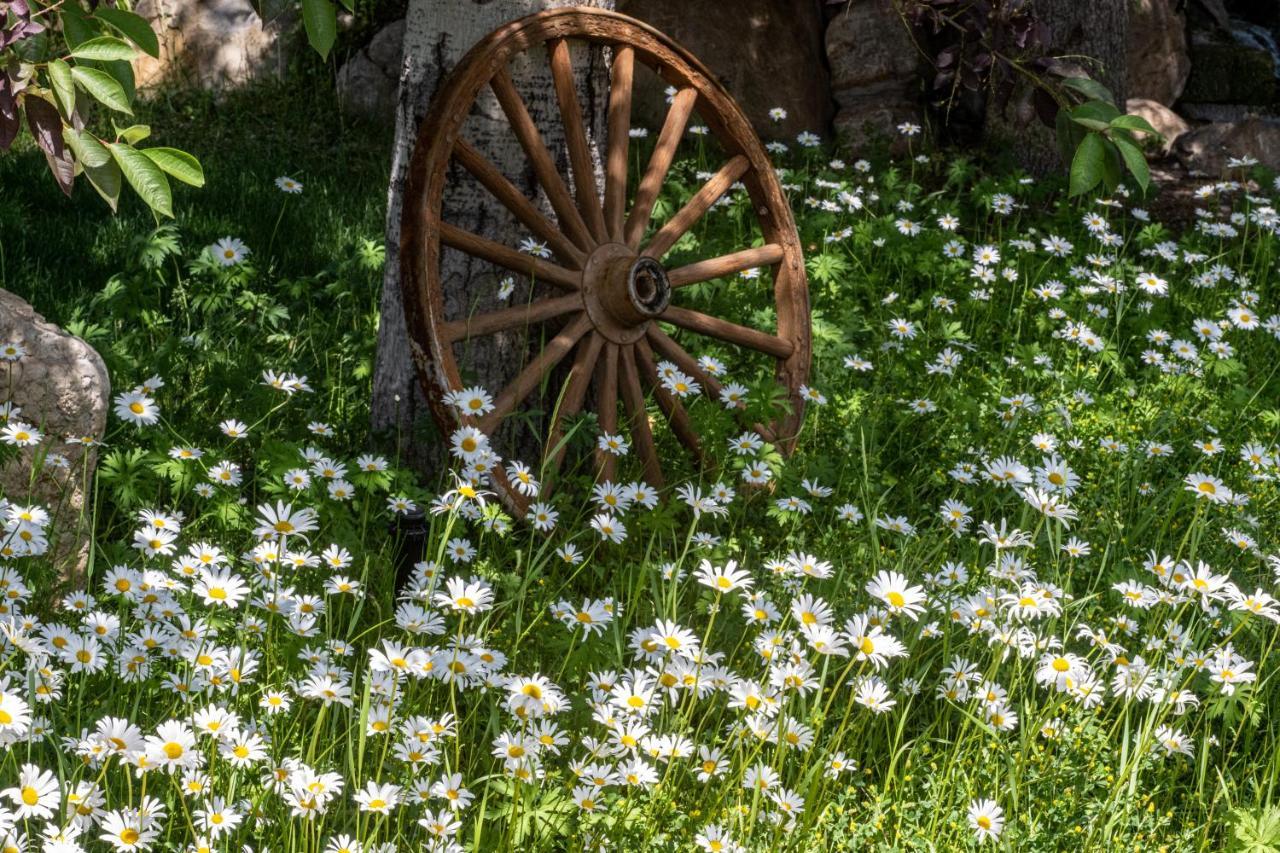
874, 67
369, 82
61, 388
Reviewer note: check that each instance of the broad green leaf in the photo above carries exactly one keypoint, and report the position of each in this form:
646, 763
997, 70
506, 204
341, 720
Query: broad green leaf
1111, 165
1087, 164
134, 27
134, 133
106, 180
179, 164
1089, 88
321, 21
1095, 115
1134, 162
1132, 122
145, 177
104, 88
76, 27
64, 86
104, 48
88, 150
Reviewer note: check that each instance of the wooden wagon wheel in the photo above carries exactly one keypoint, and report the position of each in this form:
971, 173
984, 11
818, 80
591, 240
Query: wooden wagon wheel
611, 288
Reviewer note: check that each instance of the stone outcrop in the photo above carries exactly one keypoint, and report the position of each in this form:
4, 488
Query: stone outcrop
369, 82
214, 44
767, 53
59, 386
874, 67
1167, 123
1207, 150
1159, 62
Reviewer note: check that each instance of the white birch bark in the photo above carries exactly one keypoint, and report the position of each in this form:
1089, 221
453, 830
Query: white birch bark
437, 35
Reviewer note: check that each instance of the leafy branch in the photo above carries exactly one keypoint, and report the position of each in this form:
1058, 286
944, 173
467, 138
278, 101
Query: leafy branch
59, 63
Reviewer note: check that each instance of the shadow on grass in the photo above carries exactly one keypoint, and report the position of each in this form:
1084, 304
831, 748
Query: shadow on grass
54, 250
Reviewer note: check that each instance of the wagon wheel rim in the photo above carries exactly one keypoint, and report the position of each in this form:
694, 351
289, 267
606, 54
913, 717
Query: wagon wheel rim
612, 289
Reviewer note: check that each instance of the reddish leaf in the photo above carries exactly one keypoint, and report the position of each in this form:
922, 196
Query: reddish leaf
8, 114
45, 124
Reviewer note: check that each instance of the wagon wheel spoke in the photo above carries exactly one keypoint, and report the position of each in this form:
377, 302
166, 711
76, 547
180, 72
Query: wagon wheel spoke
513, 200
514, 317
671, 407
761, 256
619, 139
540, 158
575, 135
667, 347
641, 432
575, 393
607, 410
714, 327
528, 379
659, 164
697, 206
504, 256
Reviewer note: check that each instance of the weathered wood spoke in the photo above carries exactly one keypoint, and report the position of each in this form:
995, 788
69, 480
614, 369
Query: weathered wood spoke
504, 256
641, 432
668, 348
619, 139
575, 394
575, 135
677, 417
510, 318
607, 410
697, 206
714, 327
761, 256
540, 158
659, 164
504, 191
528, 379
610, 313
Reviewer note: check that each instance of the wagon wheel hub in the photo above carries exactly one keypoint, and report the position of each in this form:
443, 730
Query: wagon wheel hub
623, 291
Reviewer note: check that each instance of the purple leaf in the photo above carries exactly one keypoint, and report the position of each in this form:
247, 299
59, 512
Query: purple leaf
8, 114
45, 124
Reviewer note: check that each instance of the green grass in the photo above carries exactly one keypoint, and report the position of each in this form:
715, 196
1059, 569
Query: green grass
58, 250
911, 489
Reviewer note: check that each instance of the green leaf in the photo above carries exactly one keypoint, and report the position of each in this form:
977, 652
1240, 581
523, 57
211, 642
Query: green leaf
134, 133
179, 164
106, 180
1134, 162
88, 150
134, 27
76, 28
321, 21
104, 48
105, 88
1087, 164
1090, 88
1110, 165
1132, 122
145, 177
1095, 115
64, 86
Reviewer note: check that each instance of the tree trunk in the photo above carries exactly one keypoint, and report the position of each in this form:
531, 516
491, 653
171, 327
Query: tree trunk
437, 35
1093, 34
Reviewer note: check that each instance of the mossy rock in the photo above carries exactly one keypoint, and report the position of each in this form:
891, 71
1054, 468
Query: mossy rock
1230, 73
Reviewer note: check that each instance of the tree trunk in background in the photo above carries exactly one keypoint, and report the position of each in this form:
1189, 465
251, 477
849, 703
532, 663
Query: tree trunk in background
1097, 29
437, 35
